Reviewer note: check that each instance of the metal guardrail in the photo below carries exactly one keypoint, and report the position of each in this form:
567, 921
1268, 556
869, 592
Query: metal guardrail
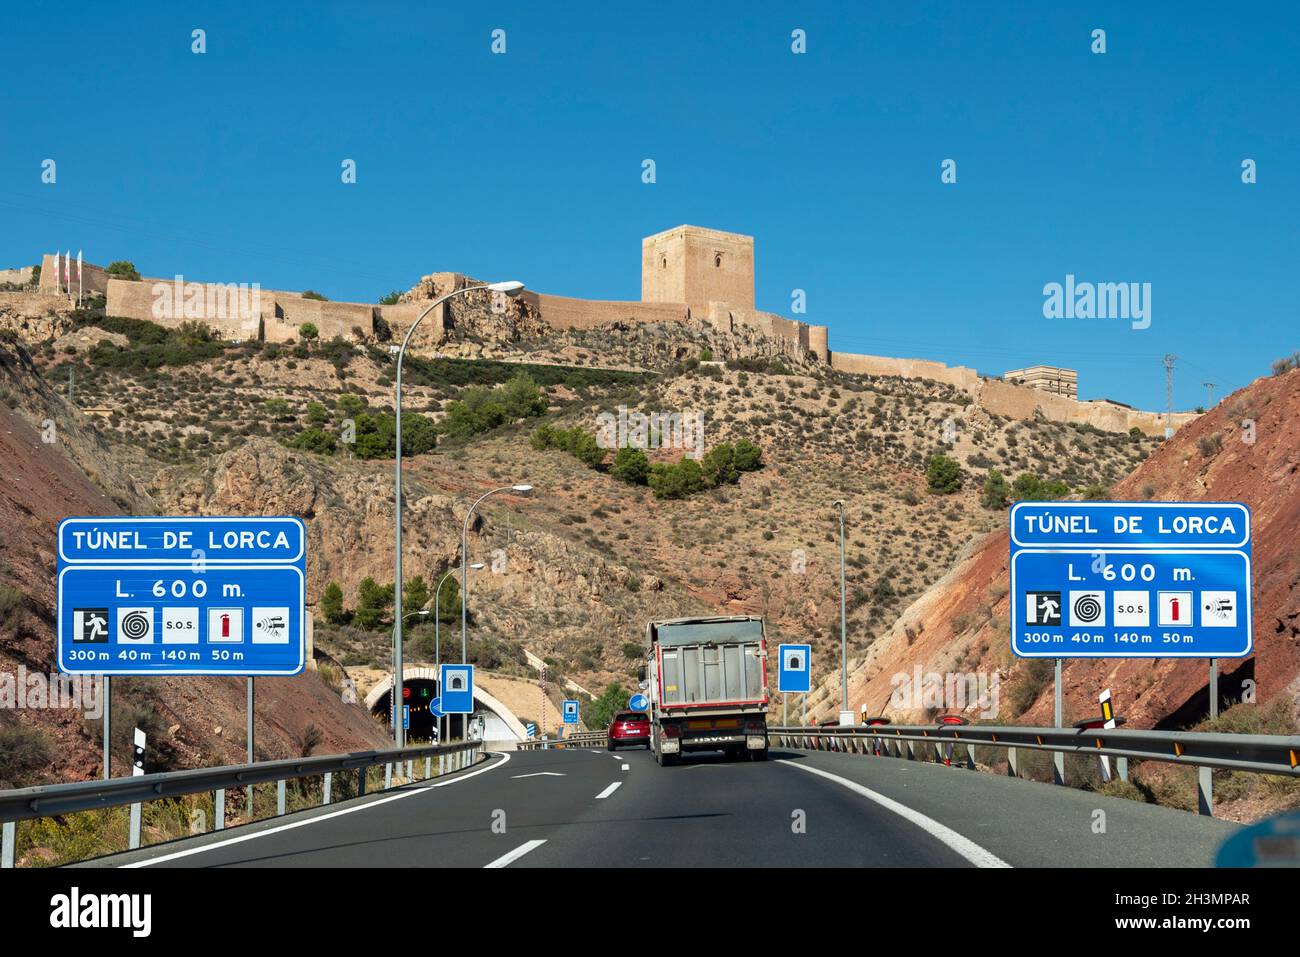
1258, 753
583, 739
56, 799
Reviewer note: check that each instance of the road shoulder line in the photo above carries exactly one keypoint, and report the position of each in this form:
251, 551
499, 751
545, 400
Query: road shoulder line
958, 843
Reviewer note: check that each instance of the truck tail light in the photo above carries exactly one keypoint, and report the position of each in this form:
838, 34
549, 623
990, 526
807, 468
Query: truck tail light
672, 731
754, 727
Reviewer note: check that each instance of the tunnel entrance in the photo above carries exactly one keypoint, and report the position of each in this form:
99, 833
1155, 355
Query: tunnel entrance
417, 693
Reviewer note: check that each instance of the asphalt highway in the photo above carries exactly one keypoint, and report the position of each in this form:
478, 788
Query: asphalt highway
588, 808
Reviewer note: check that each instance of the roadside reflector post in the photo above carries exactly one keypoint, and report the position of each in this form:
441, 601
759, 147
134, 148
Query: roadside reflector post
388, 775
1121, 766
325, 789
279, 797
1013, 763
1108, 719
953, 721
7, 837
137, 769
219, 812
428, 768
970, 753
1205, 792
361, 781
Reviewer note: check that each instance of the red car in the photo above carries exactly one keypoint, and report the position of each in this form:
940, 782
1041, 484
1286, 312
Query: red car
629, 727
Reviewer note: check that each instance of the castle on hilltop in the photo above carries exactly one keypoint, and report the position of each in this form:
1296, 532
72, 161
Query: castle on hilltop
689, 274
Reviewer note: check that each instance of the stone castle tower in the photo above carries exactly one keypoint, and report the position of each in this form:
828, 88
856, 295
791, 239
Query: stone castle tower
698, 266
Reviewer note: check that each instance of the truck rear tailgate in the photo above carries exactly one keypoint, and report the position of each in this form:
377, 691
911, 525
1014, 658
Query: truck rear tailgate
730, 673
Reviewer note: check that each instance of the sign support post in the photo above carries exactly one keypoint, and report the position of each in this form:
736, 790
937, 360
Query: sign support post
248, 737
108, 710
1214, 687
1058, 758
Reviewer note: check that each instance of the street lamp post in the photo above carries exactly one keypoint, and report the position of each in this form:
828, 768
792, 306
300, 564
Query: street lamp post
464, 551
844, 631
510, 288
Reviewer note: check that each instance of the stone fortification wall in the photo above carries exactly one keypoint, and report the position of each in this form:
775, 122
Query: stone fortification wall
93, 278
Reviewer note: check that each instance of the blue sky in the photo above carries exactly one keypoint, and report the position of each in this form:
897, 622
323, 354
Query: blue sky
1121, 167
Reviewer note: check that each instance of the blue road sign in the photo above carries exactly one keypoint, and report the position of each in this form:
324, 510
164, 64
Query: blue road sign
406, 717
794, 673
1130, 580
456, 689
531, 729
638, 702
181, 596
1272, 842
435, 708
570, 711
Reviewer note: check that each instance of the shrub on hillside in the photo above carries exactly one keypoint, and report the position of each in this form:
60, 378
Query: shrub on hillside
331, 605
943, 475
481, 409
1030, 488
996, 491
123, 269
24, 753
315, 440
631, 466
677, 480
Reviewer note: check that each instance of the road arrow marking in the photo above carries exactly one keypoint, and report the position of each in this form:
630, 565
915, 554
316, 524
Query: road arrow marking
537, 774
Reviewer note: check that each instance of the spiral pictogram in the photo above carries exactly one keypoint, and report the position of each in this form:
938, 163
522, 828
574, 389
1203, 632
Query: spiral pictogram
1087, 608
136, 625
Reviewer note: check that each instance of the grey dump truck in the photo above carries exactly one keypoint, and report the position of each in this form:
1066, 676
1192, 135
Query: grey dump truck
707, 683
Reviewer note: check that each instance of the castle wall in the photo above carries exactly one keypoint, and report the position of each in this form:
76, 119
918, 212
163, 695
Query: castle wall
959, 376
19, 277
563, 312
399, 318
330, 318
231, 313
1013, 401
93, 278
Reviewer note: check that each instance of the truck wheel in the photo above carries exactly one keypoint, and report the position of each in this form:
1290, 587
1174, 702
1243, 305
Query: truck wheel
758, 755
612, 746
665, 760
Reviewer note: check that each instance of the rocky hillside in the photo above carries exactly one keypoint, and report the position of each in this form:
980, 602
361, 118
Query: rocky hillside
1247, 449
581, 566
57, 464
188, 425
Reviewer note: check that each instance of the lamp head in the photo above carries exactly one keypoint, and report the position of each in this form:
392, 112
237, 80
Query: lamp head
476, 565
512, 287
522, 489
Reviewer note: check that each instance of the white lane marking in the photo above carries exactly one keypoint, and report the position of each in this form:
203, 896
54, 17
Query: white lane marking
506, 859
323, 817
962, 845
537, 774
626, 766
609, 790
